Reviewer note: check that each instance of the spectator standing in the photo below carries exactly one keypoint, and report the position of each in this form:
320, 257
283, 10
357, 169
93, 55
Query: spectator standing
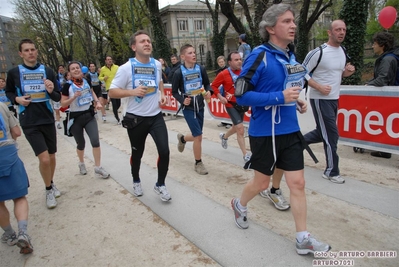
165, 70
385, 68
175, 65
221, 61
244, 49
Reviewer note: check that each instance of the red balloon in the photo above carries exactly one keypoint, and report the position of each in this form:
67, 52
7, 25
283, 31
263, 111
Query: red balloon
387, 17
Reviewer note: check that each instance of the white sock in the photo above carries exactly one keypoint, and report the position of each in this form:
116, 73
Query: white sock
241, 207
301, 235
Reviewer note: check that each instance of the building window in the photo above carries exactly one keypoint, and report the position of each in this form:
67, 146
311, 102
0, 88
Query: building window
199, 25
202, 49
182, 25
165, 27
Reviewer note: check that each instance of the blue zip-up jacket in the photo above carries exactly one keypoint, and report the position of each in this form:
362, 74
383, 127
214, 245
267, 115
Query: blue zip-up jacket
268, 81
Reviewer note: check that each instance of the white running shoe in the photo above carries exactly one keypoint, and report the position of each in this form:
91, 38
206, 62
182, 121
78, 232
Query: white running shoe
82, 169
162, 192
224, 141
57, 193
247, 157
50, 199
101, 173
137, 190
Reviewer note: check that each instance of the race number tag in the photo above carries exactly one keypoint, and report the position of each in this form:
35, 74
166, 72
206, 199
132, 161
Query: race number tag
194, 88
150, 84
85, 98
34, 87
39, 95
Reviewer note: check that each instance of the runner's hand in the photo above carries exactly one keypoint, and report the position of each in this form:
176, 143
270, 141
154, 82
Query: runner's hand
223, 100
291, 94
302, 106
187, 100
325, 89
49, 85
140, 91
23, 100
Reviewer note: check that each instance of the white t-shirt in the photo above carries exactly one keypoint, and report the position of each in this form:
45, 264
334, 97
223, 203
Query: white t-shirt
149, 105
328, 72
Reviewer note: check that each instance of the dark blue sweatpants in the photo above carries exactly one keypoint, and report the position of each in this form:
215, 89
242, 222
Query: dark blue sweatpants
325, 114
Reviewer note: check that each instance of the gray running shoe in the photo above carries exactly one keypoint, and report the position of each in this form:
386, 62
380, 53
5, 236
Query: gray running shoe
239, 216
137, 190
101, 173
162, 192
180, 144
82, 169
224, 141
277, 199
247, 157
10, 240
311, 245
24, 243
200, 168
57, 193
335, 179
50, 199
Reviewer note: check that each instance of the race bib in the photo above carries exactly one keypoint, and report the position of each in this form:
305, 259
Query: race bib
150, 84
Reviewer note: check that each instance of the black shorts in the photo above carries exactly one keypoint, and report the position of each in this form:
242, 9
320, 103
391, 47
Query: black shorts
97, 90
289, 153
42, 138
235, 116
104, 95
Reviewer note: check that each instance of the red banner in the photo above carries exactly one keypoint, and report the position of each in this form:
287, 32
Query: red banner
218, 111
368, 117
172, 106
215, 108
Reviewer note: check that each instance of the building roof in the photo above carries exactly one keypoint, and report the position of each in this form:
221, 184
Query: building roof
6, 19
186, 5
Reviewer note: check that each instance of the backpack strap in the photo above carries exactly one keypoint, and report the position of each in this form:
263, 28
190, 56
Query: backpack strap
306, 85
242, 84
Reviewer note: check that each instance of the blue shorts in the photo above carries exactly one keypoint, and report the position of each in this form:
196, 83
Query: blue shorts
195, 121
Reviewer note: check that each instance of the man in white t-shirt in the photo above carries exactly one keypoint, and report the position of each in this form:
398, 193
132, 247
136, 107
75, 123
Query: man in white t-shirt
139, 83
324, 86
